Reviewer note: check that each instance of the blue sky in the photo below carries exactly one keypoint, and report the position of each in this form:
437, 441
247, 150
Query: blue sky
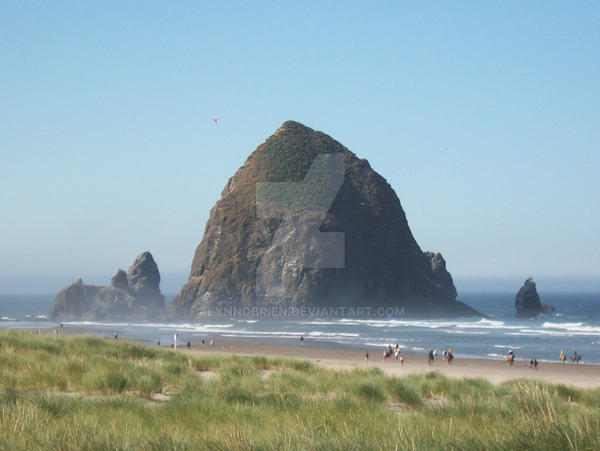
483, 117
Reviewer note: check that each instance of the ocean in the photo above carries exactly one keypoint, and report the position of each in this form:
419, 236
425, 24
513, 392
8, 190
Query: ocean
574, 326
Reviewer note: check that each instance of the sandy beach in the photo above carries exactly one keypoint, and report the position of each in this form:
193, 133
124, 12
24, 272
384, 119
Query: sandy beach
583, 376
496, 371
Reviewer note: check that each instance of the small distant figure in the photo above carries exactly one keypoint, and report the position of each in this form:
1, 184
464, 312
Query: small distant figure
535, 364
450, 356
430, 356
401, 360
510, 358
387, 353
116, 335
301, 339
435, 353
576, 358
397, 352
367, 357
189, 344
203, 343
212, 343
562, 358
445, 354
175, 341
158, 342
531, 364
61, 325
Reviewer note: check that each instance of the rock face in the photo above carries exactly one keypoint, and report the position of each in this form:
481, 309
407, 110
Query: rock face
120, 281
440, 274
260, 251
133, 295
527, 301
144, 279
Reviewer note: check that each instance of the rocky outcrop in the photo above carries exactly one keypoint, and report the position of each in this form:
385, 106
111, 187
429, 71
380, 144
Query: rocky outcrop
528, 303
132, 295
440, 274
120, 281
144, 279
325, 230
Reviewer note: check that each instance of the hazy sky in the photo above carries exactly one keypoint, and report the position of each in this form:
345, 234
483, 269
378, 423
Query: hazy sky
484, 117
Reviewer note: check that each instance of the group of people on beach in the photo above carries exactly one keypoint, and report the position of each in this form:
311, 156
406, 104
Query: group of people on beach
533, 363
396, 352
510, 359
387, 354
174, 344
432, 355
575, 358
188, 343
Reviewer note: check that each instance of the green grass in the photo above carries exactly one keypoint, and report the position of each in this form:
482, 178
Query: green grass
86, 393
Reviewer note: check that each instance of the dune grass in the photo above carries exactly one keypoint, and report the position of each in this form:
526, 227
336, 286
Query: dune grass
88, 393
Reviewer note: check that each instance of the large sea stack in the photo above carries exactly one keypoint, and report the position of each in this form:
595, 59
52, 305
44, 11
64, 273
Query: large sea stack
257, 254
528, 303
132, 295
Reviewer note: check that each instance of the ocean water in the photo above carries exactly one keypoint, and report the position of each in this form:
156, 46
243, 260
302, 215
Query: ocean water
575, 326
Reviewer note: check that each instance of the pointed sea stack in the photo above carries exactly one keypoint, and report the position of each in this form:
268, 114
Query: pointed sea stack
528, 303
132, 295
381, 263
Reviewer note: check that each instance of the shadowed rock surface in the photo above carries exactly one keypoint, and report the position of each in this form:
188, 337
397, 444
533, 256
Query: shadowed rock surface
120, 280
528, 303
382, 263
133, 295
440, 274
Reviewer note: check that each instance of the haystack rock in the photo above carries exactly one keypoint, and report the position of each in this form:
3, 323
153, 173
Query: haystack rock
528, 303
337, 239
132, 295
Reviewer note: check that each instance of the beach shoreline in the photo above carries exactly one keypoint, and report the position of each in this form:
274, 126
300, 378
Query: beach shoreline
345, 357
496, 371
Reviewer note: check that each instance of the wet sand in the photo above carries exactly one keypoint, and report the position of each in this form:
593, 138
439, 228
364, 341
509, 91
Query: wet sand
496, 371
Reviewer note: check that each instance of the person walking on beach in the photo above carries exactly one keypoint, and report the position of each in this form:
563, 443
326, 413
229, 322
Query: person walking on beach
367, 357
401, 360
116, 335
450, 357
189, 344
212, 343
301, 339
535, 364
430, 356
158, 343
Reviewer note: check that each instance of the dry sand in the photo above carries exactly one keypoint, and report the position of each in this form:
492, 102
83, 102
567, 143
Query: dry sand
584, 376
